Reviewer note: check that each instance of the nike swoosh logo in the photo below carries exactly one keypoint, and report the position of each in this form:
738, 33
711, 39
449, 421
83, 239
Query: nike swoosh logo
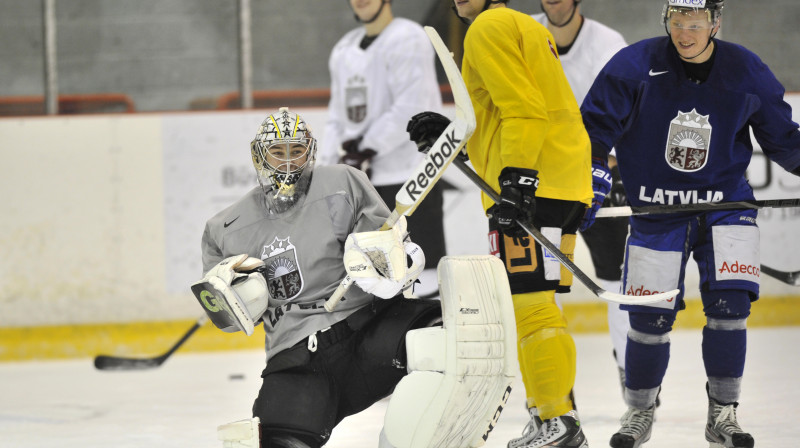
652, 73
231, 222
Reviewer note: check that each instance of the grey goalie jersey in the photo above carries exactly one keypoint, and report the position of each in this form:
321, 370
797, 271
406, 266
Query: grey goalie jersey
302, 249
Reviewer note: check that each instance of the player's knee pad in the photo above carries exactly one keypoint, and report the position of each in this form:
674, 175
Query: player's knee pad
535, 311
461, 373
651, 323
726, 303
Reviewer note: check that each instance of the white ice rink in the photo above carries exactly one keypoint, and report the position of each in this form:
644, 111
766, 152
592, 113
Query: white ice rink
69, 404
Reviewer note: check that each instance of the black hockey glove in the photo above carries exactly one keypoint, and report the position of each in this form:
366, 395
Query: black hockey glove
517, 200
425, 128
601, 184
359, 159
617, 196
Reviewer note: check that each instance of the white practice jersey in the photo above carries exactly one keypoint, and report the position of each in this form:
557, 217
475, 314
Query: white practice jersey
302, 249
374, 92
593, 47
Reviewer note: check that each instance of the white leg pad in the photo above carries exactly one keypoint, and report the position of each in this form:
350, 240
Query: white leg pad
461, 374
240, 434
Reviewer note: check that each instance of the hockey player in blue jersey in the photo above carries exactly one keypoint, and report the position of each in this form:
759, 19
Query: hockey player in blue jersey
679, 110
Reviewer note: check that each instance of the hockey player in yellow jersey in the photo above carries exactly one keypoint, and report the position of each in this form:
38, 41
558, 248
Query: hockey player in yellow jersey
531, 146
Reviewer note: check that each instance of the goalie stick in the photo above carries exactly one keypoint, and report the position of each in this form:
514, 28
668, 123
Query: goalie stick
441, 154
790, 278
563, 259
106, 362
615, 212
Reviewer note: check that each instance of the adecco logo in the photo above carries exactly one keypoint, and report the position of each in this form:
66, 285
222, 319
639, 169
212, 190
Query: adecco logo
640, 291
739, 268
688, 3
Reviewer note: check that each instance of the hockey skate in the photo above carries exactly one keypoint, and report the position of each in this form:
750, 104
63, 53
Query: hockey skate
530, 430
722, 429
563, 431
636, 427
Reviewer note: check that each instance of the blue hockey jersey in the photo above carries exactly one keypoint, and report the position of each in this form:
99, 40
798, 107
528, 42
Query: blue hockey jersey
680, 142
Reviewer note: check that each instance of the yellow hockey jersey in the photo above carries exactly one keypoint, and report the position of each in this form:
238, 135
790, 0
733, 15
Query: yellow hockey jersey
526, 113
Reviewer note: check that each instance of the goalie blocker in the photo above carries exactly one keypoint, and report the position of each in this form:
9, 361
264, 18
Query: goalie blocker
234, 294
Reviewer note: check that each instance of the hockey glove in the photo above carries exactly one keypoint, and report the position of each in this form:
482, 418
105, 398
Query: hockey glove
517, 200
376, 261
601, 184
358, 159
234, 293
425, 128
617, 196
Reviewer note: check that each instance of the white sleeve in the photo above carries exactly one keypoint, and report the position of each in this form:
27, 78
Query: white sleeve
329, 146
414, 88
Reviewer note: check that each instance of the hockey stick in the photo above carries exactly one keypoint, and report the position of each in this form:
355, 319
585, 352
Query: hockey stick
443, 151
563, 259
106, 362
615, 212
790, 278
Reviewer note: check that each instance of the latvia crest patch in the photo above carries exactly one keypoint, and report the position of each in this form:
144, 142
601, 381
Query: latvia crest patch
688, 141
356, 101
284, 279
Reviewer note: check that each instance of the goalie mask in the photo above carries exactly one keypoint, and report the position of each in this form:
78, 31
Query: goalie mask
283, 153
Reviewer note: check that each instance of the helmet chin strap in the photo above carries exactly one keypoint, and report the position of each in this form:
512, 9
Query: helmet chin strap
571, 16
375, 17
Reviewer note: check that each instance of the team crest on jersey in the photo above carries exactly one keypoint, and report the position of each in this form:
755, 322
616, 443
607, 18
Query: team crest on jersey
688, 141
552, 48
355, 99
284, 279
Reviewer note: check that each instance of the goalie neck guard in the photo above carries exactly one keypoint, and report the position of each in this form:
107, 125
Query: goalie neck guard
283, 153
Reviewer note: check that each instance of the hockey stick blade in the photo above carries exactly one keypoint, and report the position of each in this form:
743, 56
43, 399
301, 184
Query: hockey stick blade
563, 259
441, 154
107, 362
790, 278
616, 212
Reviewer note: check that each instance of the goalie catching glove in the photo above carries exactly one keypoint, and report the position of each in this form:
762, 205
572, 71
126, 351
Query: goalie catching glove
376, 261
234, 293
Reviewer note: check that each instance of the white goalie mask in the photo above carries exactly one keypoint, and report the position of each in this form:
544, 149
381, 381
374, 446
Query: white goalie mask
283, 153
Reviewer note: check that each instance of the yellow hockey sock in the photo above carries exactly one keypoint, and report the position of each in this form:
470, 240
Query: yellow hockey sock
546, 353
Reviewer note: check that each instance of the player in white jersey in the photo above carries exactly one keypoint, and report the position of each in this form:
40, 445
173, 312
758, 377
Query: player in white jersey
584, 46
382, 73
275, 256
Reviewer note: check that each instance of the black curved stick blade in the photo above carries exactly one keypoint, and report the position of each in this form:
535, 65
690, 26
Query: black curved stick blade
104, 362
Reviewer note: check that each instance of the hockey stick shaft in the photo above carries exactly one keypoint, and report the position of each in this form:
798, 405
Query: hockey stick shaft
106, 362
441, 154
616, 212
560, 256
790, 278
